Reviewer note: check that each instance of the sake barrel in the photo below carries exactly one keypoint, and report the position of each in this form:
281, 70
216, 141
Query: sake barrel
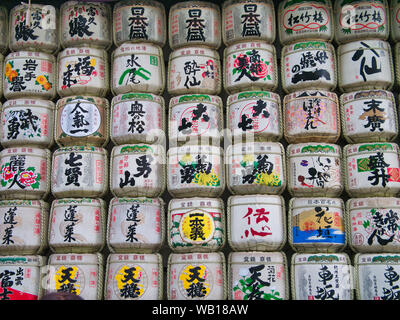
305, 20
254, 115
196, 224
77, 225
372, 224
396, 54
394, 20
204, 271
79, 171
258, 276
248, 20
1, 74
137, 170
250, 65
29, 74
34, 27
138, 118
365, 65
318, 276
133, 276
314, 170
137, 67
369, 115
83, 71
256, 222
25, 173
24, 226
194, 70
77, 273
258, 167
194, 23
82, 120
308, 64
4, 35
85, 24
372, 169
195, 169
360, 19
27, 122
376, 276
196, 118
135, 225
138, 21
311, 115
316, 224
24, 276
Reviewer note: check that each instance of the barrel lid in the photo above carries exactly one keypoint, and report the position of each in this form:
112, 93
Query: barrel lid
33, 151
194, 4
245, 95
196, 257
360, 148
315, 148
372, 202
142, 200
256, 199
188, 149
30, 54
80, 98
79, 51
366, 94
139, 148
89, 149
23, 203
320, 258
355, 45
197, 51
25, 260
312, 202
376, 258
188, 98
307, 45
75, 258
136, 258
307, 94
137, 48
269, 257
196, 203
246, 45
137, 96
255, 147
28, 102
78, 201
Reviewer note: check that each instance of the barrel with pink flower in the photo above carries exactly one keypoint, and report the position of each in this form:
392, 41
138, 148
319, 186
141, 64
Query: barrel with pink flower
25, 173
250, 66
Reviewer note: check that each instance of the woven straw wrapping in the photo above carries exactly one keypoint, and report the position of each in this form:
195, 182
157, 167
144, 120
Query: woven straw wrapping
285, 275
135, 247
257, 245
378, 136
96, 139
71, 247
316, 246
212, 245
223, 267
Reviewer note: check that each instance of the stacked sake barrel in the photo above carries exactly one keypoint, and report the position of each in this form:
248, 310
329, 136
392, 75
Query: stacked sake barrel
311, 123
370, 127
29, 85
255, 161
195, 166
79, 173
136, 230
